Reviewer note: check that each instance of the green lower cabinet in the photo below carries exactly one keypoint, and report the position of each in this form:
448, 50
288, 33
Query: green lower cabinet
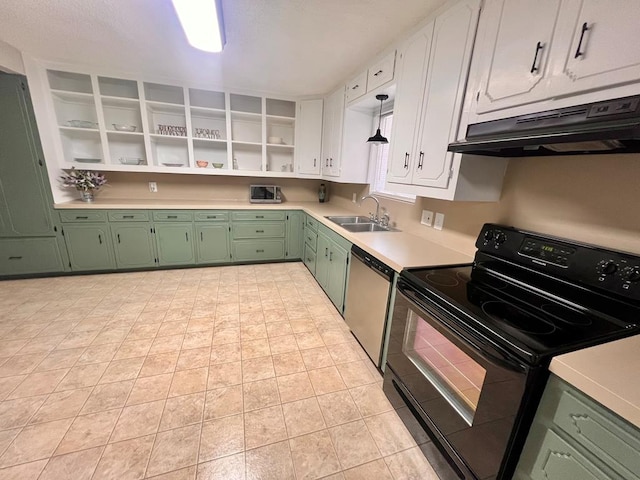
89, 247
337, 281
174, 242
574, 437
30, 255
322, 260
213, 243
133, 245
295, 234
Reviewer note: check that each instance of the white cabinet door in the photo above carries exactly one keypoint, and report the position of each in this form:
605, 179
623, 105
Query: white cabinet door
602, 42
381, 72
328, 134
309, 137
451, 47
334, 117
515, 52
357, 87
406, 112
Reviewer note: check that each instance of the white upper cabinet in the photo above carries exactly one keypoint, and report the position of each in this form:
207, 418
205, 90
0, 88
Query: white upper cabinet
601, 45
379, 74
534, 55
309, 137
332, 133
515, 52
434, 67
357, 87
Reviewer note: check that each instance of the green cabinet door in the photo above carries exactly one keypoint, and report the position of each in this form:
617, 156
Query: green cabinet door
89, 247
133, 245
174, 242
19, 256
322, 260
213, 243
24, 188
295, 234
337, 275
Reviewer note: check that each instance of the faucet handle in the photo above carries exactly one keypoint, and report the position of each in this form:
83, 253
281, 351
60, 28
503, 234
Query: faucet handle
385, 219
372, 217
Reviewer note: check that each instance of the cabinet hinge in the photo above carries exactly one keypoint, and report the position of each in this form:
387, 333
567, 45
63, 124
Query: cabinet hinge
55, 229
450, 174
23, 86
62, 231
69, 264
229, 228
40, 162
478, 96
347, 260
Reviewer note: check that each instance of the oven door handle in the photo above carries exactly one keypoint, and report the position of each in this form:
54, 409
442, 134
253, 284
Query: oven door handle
481, 347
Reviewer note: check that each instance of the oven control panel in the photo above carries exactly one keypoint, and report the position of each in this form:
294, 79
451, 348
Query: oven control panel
609, 270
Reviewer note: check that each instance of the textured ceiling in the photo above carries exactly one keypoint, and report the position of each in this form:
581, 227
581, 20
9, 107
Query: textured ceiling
288, 47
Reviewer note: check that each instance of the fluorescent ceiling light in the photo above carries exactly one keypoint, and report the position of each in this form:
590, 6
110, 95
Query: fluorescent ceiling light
202, 23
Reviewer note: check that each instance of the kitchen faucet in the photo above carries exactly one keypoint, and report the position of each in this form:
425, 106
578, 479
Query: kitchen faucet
377, 217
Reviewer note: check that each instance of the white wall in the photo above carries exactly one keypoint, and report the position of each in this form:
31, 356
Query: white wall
10, 59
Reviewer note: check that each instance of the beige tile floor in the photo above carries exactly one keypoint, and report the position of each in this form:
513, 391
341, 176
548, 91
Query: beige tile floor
214, 373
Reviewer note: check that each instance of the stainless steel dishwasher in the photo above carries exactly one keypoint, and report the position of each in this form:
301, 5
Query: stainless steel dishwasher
367, 301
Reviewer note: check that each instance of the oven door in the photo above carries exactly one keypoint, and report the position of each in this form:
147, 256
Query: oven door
464, 390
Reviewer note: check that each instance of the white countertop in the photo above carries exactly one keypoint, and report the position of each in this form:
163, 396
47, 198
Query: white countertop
397, 249
608, 373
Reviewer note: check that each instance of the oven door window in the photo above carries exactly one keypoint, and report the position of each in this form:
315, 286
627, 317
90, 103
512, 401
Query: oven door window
456, 376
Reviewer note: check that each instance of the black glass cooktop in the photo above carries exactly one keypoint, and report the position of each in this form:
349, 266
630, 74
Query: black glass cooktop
538, 315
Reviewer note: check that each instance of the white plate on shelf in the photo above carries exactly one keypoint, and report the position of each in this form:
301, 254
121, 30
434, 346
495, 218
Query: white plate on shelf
173, 164
131, 161
87, 160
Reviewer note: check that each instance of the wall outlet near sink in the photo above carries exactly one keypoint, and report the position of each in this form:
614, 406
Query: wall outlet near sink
427, 218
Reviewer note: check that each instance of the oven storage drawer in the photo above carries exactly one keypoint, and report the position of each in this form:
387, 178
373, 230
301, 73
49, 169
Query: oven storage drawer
571, 432
258, 250
258, 230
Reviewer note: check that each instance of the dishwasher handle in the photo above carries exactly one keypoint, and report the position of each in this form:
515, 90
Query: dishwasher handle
373, 263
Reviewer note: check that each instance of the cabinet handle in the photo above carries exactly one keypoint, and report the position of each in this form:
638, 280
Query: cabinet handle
309, 260
331, 256
15, 258
539, 47
331, 162
259, 216
259, 231
309, 238
326, 162
118, 238
326, 252
127, 216
201, 237
421, 160
377, 73
355, 87
406, 160
314, 162
585, 27
260, 251
100, 239
81, 218
212, 216
186, 235
172, 216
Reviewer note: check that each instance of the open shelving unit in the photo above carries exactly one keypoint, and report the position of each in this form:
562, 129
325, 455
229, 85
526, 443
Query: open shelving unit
126, 124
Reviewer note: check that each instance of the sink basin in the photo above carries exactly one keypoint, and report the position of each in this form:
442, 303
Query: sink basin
367, 227
340, 220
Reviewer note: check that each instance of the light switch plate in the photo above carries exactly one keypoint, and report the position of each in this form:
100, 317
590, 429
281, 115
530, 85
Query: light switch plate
438, 223
427, 218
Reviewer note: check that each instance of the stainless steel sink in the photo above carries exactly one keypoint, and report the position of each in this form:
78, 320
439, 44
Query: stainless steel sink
340, 220
367, 227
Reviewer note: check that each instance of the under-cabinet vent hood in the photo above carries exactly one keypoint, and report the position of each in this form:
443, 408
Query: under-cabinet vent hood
612, 126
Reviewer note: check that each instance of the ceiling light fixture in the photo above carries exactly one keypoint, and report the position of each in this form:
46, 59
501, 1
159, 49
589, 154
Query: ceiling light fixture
378, 139
202, 23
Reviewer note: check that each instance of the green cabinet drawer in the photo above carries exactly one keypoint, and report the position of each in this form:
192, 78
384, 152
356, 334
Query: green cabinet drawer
310, 238
599, 431
558, 460
29, 255
83, 216
172, 216
128, 216
257, 230
259, 215
309, 259
211, 216
258, 250
311, 223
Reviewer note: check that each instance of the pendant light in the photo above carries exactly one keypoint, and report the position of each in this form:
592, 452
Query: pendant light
378, 139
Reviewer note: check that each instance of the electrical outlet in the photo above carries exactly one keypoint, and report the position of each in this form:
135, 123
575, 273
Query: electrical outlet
153, 187
427, 218
354, 197
439, 221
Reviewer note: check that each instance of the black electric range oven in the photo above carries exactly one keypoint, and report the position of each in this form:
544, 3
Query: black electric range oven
470, 345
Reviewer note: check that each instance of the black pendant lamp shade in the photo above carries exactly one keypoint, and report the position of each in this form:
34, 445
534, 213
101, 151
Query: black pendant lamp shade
378, 138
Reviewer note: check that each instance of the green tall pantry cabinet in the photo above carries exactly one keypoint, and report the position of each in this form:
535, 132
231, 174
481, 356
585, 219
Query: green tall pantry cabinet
29, 242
